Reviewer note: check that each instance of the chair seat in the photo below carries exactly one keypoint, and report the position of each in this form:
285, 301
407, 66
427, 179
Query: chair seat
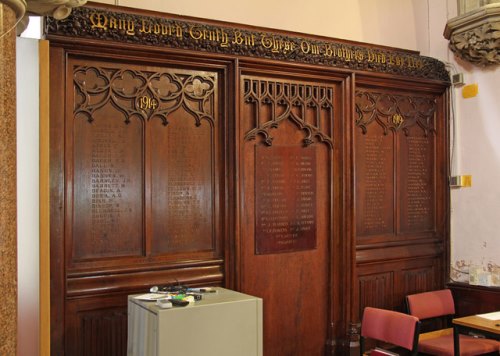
442, 345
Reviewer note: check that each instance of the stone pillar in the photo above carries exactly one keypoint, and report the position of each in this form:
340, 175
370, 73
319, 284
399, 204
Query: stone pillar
10, 12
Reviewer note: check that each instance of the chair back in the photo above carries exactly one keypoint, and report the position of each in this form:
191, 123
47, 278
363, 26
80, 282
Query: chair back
392, 327
431, 304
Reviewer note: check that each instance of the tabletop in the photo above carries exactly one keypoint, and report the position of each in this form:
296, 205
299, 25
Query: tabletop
488, 322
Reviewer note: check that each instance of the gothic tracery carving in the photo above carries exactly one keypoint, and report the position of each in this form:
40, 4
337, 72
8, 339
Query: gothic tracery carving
394, 112
304, 104
144, 95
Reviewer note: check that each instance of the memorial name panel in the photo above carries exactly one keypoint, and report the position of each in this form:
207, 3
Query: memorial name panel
417, 182
374, 182
108, 186
183, 189
285, 199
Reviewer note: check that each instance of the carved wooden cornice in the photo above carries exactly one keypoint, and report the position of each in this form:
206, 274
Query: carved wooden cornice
475, 36
172, 31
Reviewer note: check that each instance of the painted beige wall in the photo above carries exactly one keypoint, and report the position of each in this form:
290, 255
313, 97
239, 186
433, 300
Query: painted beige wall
475, 212
386, 22
410, 24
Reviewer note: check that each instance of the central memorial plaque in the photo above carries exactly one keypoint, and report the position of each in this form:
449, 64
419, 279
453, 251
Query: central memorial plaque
285, 196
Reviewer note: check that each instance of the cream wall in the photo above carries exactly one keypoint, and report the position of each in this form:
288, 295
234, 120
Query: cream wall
475, 227
386, 22
27, 196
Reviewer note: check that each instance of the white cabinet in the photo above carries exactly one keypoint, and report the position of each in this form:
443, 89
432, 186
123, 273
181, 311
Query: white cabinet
226, 323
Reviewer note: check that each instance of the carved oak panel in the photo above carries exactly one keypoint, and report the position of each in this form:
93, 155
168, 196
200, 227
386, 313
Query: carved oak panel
129, 121
397, 150
395, 164
418, 184
386, 284
374, 290
107, 203
286, 137
96, 327
183, 175
184, 151
141, 148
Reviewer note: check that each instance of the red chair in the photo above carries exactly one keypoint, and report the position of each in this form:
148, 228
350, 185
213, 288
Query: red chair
438, 304
390, 327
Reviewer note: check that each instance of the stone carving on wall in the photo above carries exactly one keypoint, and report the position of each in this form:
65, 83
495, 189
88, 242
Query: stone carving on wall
58, 9
475, 36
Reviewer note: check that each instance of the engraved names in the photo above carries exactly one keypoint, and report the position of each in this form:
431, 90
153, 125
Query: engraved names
189, 192
285, 201
110, 181
418, 183
377, 203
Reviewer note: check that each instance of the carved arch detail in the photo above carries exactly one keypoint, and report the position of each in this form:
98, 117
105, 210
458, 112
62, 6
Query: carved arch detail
143, 95
309, 106
395, 112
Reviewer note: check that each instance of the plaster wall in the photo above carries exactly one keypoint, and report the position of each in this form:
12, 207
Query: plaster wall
27, 196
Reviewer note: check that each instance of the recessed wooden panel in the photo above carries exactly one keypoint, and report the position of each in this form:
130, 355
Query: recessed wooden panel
417, 280
129, 121
182, 190
396, 175
108, 184
96, 326
141, 146
375, 186
417, 183
385, 284
395, 167
285, 195
183, 164
279, 134
375, 290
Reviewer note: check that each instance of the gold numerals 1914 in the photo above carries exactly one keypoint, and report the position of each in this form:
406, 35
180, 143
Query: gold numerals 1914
145, 102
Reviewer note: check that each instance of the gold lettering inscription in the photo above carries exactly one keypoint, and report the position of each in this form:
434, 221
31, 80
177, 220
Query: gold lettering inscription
218, 35
277, 45
123, 25
307, 47
226, 38
285, 199
99, 21
397, 120
243, 39
145, 102
373, 56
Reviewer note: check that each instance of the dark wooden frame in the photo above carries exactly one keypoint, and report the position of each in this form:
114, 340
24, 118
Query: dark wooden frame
423, 258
